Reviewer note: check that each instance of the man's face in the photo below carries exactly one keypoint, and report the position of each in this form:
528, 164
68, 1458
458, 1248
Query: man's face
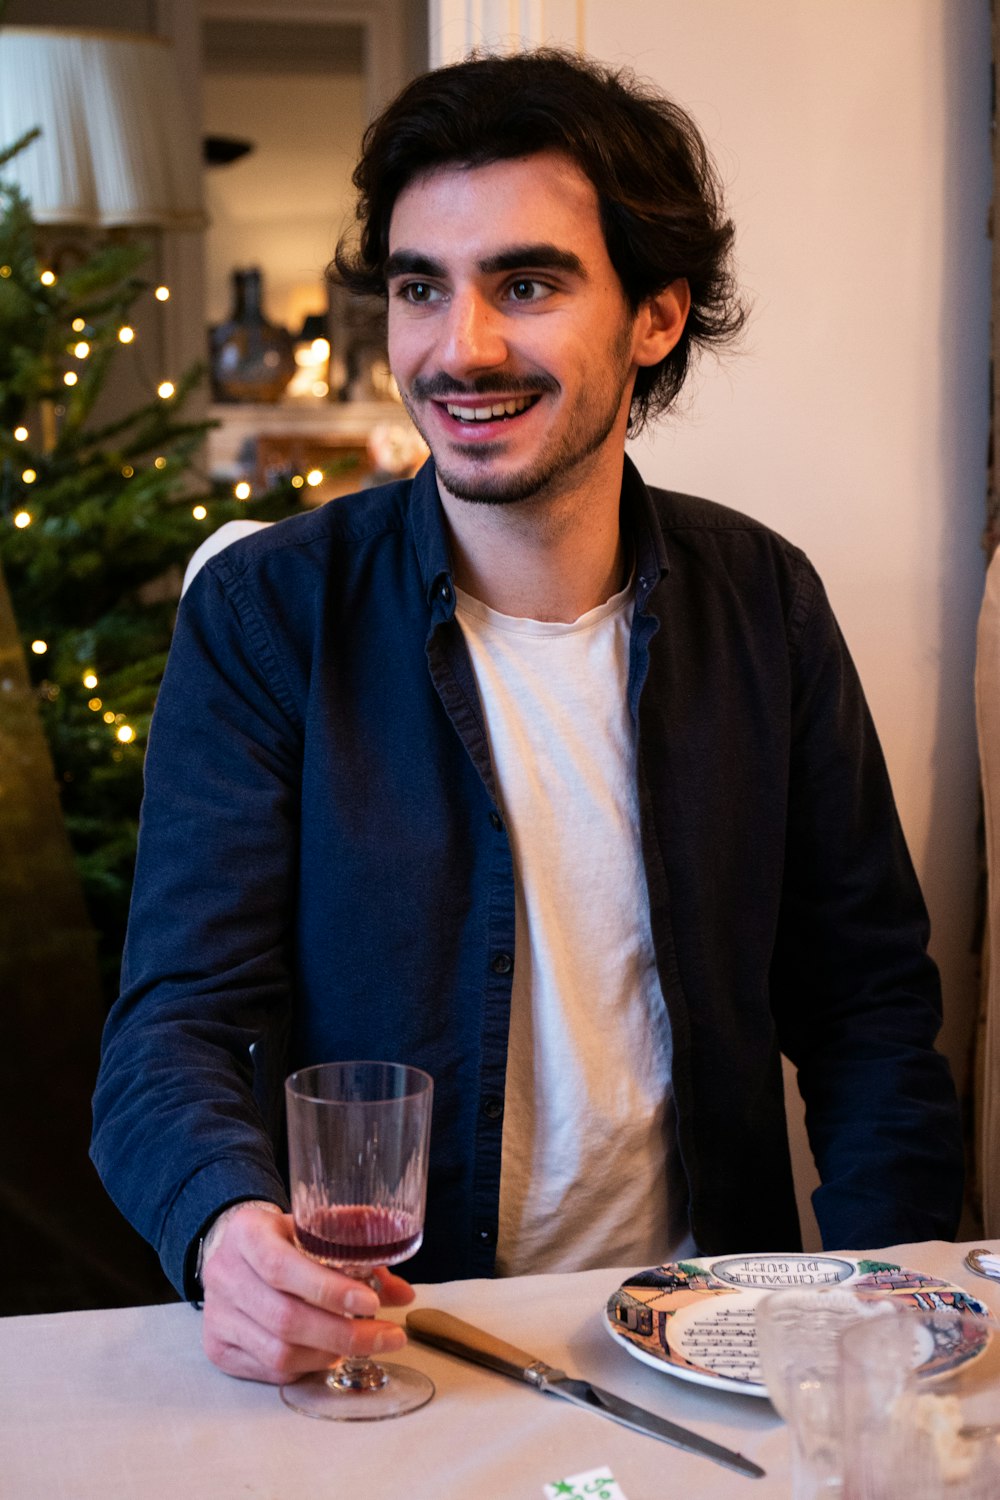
509, 334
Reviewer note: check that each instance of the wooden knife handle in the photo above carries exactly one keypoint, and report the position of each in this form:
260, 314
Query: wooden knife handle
457, 1337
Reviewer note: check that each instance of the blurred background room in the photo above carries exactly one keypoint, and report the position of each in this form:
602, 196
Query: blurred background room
172, 358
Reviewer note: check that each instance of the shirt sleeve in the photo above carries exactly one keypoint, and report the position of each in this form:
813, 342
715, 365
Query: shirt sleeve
206, 981
855, 995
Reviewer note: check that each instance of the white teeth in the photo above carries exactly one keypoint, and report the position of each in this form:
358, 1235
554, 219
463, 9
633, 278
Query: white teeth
489, 413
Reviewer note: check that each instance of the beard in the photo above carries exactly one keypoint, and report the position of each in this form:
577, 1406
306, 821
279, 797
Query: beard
480, 476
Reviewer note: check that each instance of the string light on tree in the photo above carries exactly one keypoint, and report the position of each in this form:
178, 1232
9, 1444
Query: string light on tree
242, 491
127, 503
297, 481
314, 477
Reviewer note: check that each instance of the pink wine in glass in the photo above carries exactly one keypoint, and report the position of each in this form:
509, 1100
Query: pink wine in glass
359, 1236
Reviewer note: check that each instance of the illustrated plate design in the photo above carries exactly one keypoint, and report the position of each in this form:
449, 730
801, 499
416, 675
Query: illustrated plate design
695, 1318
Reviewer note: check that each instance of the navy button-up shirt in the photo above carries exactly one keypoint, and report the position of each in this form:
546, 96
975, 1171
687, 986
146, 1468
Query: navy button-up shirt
324, 873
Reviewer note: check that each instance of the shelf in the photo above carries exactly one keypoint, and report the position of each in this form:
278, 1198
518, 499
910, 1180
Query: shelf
257, 442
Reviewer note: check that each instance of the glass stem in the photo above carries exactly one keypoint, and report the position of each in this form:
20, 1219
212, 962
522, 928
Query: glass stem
357, 1375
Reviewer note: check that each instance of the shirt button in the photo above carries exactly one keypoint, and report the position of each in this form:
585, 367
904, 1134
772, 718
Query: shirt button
496, 820
502, 963
445, 594
492, 1107
486, 1235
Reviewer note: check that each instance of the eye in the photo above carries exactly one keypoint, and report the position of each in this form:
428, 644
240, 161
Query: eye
419, 292
527, 289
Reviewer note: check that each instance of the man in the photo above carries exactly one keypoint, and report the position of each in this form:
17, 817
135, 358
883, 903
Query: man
560, 788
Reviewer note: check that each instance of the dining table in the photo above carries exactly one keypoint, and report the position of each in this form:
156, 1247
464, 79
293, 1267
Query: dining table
122, 1404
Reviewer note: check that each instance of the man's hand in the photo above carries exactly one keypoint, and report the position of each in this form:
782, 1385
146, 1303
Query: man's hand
273, 1314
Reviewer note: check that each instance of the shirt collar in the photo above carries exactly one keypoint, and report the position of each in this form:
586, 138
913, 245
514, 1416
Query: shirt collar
638, 518
640, 522
431, 542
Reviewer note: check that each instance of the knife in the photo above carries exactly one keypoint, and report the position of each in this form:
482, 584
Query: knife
457, 1337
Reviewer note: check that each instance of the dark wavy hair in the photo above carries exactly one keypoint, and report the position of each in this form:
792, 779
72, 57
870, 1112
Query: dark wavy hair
659, 193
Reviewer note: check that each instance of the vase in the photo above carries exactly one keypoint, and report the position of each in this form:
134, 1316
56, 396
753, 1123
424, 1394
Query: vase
251, 359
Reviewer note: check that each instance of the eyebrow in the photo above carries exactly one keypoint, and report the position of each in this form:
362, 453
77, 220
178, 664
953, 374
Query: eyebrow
538, 257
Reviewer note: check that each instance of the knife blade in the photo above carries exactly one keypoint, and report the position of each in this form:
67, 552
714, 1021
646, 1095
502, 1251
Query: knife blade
455, 1336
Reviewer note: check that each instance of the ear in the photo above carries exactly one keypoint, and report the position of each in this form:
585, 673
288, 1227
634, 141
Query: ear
660, 321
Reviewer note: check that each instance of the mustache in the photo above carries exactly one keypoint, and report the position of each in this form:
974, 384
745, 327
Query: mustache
441, 387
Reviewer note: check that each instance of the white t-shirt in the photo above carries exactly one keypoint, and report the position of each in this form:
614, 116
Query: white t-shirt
589, 1173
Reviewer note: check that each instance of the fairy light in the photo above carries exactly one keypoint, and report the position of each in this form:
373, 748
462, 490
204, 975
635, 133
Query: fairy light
70, 378
21, 434
297, 481
39, 647
242, 490
82, 349
78, 325
48, 278
108, 717
162, 294
165, 389
90, 679
126, 334
95, 704
127, 471
159, 463
22, 519
28, 476
6, 271
314, 477
126, 734
199, 513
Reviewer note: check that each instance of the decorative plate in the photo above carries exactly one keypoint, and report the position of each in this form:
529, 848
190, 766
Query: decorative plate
695, 1318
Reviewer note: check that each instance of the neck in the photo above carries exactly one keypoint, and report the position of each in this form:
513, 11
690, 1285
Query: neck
548, 558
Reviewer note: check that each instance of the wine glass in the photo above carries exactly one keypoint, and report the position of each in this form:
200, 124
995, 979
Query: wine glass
358, 1138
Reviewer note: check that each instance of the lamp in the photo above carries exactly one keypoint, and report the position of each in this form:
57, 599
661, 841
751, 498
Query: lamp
117, 147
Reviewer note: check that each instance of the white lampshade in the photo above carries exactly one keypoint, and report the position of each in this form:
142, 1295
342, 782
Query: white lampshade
117, 144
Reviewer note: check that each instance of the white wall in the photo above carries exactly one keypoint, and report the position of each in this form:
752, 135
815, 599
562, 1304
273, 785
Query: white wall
854, 137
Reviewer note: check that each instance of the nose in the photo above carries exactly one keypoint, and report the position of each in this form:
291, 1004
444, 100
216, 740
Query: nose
472, 338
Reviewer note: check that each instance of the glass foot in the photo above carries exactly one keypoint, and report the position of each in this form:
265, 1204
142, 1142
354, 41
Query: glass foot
320, 1395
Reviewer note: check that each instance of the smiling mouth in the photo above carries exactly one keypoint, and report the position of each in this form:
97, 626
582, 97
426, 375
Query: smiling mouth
491, 412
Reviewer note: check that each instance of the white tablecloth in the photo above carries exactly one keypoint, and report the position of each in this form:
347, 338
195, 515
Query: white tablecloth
122, 1405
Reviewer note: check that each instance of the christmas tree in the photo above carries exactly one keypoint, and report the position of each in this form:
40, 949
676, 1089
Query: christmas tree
97, 519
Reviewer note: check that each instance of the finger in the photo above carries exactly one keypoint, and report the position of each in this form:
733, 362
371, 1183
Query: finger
251, 1355
266, 1244
393, 1291
234, 1291
293, 1339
